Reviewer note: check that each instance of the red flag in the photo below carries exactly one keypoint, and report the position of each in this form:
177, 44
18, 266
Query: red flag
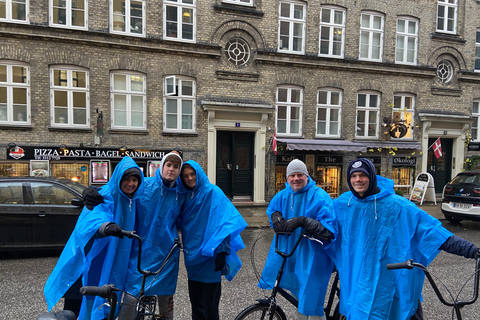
274, 142
437, 148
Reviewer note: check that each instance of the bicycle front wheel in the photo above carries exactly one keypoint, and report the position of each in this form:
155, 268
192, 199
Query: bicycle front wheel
260, 311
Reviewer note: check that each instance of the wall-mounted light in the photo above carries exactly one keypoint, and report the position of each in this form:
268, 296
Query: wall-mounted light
11, 145
63, 148
123, 149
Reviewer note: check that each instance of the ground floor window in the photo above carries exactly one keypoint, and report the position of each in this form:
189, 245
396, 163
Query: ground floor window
280, 178
73, 171
327, 178
14, 169
402, 178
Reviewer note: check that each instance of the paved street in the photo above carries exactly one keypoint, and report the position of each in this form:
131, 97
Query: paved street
23, 279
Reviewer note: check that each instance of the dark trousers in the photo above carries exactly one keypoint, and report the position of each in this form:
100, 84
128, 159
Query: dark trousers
419, 313
204, 298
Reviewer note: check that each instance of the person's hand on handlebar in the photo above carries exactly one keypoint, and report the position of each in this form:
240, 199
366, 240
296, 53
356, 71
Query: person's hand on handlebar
113, 229
310, 225
278, 222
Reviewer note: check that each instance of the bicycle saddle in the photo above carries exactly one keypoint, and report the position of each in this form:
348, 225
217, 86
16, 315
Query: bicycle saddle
61, 315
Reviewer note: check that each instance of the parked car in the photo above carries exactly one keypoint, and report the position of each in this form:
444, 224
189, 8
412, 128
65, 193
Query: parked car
38, 213
461, 197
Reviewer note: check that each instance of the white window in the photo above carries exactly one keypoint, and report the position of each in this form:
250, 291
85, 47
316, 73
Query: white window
127, 17
291, 28
241, 2
476, 118
14, 93
14, 11
179, 22
403, 113
368, 107
447, 16
69, 97
477, 51
371, 36
329, 104
68, 13
128, 101
407, 41
332, 32
179, 104
289, 111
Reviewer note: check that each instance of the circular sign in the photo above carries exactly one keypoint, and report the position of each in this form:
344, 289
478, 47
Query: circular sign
398, 131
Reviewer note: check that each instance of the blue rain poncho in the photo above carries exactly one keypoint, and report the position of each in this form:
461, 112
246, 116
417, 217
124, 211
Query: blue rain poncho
207, 218
157, 210
383, 228
308, 270
108, 258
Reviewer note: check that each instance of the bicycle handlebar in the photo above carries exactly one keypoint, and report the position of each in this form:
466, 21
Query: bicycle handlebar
104, 291
302, 235
401, 265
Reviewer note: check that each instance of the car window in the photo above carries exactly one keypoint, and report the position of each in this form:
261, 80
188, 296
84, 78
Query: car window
464, 178
47, 193
11, 193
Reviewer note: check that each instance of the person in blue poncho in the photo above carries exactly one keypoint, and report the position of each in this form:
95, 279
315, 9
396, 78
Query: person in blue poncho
210, 226
308, 270
377, 227
89, 254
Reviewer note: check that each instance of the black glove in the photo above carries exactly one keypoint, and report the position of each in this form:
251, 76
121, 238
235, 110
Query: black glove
113, 229
91, 197
278, 222
220, 261
476, 254
311, 226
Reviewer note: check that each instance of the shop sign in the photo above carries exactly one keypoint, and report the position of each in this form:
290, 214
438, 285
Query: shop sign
55, 153
474, 146
405, 161
374, 160
329, 160
288, 158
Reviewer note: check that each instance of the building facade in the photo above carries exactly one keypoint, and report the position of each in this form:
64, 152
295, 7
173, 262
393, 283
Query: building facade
84, 83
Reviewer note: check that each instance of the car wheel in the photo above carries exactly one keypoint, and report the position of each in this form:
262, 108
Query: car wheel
453, 219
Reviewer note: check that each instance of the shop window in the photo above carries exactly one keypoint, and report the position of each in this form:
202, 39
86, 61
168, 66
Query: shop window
77, 172
14, 169
280, 178
327, 178
402, 179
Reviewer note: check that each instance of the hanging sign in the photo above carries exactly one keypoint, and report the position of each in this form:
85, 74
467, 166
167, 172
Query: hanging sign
424, 189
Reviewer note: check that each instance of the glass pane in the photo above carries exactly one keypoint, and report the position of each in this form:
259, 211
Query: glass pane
373, 101
79, 116
321, 128
78, 18
295, 113
281, 126
3, 94
294, 126
3, 73
60, 98
187, 15
475, 107
322, 97
324, 46
79, 99
335, 98
282, 112
401, 25
137, 103
362, 100
20, 95
282, 95
61, 115
59, 16
334, 114
338, 17
136, 83
187, 88
19, 74
325, 33
119, 82
298, 12
187, 123
20, 113
408, 102
60, 78
361, 116
477, 37
325, 15
137, 119
119, 102
3, 110
79, 79
120, 118
3, 10
296, 96
298, 30
78, 4
119, 7
171, 29
397, 102
187, 32
322, 114
377, 22
171, 121
284, 28
136, 25
285, 10
118, 21
333, 128
171, 13
412, 27
171, 106
365, 21
136, 9
187, 107
400, 42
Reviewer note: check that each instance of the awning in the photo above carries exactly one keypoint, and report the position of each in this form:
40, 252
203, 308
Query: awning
391, 144
323, 145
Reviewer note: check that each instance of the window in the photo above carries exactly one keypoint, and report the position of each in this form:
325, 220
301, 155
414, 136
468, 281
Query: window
407, 41
403, 112
477, 51
69, 97
129, 101
291, 29
14, 93
371, 36
238, 51
179, 105
128, 17
179, 22
445, 71
68, 13
332, 32
289, 111
476, 118
329, 103
242, 2
447, 16
14, 11
368, 107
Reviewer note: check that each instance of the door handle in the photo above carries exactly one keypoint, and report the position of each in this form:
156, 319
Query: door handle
229, 166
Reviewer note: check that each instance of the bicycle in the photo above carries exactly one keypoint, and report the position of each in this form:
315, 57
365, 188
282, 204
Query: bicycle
268, 308
456, 304
145, 306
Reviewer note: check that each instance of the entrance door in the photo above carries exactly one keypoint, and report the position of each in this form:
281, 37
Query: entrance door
441, 168
235, 164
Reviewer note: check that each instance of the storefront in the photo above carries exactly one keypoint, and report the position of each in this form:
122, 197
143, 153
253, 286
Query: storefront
403, 173
88, 166
327, 173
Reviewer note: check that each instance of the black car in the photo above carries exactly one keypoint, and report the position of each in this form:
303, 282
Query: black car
38, 213
461, 197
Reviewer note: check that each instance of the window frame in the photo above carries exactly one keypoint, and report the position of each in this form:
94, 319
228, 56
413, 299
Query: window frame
128, 93
70, 92
179, 4
447, 5
476, 66
68, 16
127, 20
10, 85
239, 2
9, 11
332, 26
367, 110
403, 110
371, 32
406, 36
178, 96
476, 117
289, 104
329, 107
291, 22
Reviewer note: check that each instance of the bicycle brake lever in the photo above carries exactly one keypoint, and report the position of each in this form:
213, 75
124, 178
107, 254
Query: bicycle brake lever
314, 239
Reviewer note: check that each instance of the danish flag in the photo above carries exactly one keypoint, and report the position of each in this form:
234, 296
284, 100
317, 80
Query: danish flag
274, 142
437, 148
